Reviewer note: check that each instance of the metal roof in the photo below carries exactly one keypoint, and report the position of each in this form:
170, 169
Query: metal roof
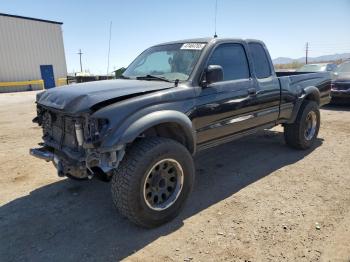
31, 18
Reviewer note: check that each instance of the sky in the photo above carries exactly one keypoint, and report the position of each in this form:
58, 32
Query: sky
285, 26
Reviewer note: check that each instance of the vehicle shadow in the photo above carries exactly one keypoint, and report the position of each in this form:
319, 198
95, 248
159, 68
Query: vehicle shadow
76, 221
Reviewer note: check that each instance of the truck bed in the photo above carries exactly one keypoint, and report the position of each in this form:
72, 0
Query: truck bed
295, 82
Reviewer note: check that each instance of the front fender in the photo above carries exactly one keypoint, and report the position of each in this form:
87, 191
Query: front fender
130, 133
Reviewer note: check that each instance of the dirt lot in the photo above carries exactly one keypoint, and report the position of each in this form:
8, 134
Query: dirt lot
254, 200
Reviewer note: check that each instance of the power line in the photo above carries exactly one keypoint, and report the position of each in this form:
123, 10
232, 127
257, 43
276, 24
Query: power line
330, 50
325, 49
331, 43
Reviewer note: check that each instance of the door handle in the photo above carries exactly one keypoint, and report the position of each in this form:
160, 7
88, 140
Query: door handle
252, 91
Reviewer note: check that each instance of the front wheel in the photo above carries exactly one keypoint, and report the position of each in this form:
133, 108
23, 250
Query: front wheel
153, 181
303, 132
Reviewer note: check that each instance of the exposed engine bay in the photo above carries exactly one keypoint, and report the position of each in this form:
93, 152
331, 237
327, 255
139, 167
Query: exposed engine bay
71, 144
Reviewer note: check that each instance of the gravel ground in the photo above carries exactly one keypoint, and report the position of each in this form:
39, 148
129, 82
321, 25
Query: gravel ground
254, 200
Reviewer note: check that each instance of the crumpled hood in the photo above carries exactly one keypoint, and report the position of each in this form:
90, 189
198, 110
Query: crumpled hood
81, 97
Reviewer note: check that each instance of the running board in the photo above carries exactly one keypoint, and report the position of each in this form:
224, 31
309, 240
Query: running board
233, 137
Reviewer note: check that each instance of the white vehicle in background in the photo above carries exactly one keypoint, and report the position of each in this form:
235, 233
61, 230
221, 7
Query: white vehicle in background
323, 67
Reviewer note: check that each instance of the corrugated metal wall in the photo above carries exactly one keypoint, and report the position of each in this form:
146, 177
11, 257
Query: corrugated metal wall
27, 44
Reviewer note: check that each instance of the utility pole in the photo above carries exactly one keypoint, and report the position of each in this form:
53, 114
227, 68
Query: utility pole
306, 51
81, 65
109, 46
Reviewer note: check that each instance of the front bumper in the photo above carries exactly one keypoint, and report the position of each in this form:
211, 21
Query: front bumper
85, 166
64, 165
42, 153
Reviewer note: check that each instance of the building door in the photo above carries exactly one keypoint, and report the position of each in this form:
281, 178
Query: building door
47, 76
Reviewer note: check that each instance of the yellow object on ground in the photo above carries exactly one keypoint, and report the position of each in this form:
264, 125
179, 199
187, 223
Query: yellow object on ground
61, 81
23, 83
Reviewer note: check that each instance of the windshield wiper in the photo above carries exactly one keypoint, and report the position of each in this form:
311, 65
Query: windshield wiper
152, 77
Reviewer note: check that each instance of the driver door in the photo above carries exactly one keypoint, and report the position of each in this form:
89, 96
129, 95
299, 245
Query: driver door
225, 108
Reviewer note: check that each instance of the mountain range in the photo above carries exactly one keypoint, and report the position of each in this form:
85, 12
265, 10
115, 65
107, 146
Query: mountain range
287, 60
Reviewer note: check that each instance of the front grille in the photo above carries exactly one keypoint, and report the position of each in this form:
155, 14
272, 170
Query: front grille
59, 129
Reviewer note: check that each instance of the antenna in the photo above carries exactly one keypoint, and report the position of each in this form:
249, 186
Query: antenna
109, 46
216, 11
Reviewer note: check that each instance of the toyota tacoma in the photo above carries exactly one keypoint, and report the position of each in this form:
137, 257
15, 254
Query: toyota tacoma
140, 132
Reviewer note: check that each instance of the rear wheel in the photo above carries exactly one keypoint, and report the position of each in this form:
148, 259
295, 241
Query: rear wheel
153, 181
303, 132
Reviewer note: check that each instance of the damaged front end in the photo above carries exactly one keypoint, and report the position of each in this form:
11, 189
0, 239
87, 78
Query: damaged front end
72, 143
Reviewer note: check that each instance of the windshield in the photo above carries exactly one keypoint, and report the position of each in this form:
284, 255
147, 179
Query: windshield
171, 62
344, 68
312, 68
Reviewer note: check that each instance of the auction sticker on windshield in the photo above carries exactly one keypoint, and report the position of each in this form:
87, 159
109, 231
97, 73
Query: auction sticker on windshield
193, 46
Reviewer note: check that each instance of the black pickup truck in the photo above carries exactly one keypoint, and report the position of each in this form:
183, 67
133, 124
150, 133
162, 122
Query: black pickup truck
175, 99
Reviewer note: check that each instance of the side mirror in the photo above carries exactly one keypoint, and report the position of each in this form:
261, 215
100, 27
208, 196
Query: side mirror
213, 74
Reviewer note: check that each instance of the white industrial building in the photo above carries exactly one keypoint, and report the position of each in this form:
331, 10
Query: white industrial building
31, 53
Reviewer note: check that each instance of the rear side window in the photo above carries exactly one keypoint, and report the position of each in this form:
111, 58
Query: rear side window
260, 60
233, 60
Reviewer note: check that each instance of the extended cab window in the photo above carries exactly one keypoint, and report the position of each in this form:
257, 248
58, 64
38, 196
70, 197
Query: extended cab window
260, 60
233, 60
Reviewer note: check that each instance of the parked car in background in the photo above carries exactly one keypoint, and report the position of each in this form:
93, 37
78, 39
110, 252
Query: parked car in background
341, 83
323, 67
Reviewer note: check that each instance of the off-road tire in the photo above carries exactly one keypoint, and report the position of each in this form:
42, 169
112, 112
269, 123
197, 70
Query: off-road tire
127, 184
294, 133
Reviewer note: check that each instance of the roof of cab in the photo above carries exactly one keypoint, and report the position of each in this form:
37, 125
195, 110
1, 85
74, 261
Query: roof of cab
192, 40
208, 40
